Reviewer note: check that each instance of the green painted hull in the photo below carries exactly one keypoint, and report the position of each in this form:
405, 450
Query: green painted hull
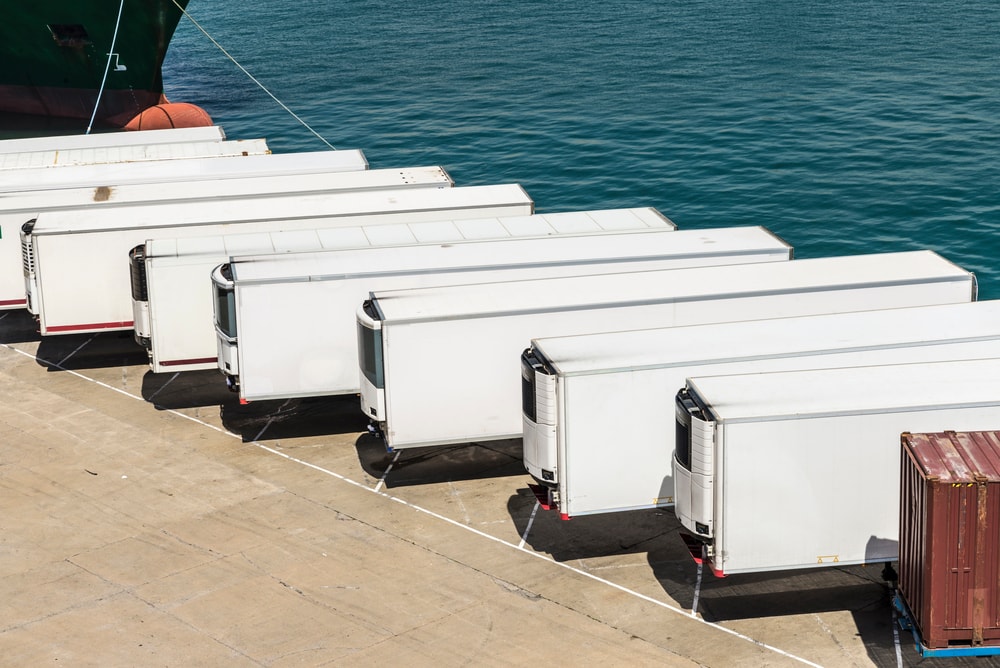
53, 55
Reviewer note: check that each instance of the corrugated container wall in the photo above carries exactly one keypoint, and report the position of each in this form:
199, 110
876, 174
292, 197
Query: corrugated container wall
949, 537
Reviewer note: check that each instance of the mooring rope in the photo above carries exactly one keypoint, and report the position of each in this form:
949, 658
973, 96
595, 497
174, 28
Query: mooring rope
107, 66
252, 78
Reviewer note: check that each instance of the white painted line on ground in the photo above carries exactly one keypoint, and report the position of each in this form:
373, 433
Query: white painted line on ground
527, 529
385, 474
895, 637
116, 389
447, 520
697, 584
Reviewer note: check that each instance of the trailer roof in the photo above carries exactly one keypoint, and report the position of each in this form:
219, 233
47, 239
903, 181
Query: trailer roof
790, 395
606, 248
129, 138
242, 186
425, 203
587, 354
185, 169
255, 247
665, 286
134, 153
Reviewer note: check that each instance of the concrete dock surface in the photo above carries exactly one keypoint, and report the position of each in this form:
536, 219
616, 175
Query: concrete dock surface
150, 519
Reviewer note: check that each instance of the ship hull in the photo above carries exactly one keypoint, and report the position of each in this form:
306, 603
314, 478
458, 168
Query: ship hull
54, 55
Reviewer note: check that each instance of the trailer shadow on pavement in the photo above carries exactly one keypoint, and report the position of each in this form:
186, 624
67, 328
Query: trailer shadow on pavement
799, 592
18, 326
440, 464
73, 352
292, 418
652, 532
601, 540
595, 536
186, 389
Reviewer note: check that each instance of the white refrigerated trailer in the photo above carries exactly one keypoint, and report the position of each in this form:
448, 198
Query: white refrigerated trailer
130, 138
292, 328
130, 153
110, 175
77, 267
800, 469
17, 208
598, 432
440, 364
172, 309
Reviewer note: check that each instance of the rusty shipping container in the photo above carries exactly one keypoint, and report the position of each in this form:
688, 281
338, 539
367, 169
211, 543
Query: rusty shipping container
949, 537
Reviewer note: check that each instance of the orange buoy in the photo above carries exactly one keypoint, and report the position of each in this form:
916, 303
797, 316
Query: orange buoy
170, 115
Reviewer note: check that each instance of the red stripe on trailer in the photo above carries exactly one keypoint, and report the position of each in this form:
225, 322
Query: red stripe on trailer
13, 302
197, 360
89, 327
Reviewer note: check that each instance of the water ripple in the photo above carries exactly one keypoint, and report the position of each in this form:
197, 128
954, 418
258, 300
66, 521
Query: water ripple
850, 127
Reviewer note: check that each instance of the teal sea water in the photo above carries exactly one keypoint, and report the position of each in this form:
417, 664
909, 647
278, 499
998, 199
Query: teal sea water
846, 127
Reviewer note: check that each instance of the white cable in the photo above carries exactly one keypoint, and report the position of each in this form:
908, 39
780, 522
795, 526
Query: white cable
107, 66
252, 78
